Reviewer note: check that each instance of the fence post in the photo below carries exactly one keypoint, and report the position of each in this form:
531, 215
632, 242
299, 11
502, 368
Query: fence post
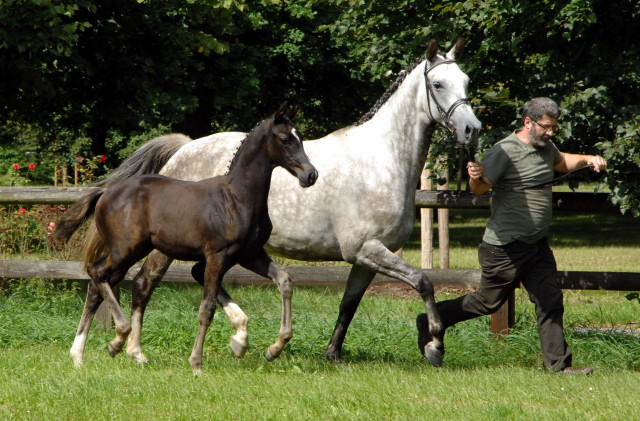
443, 229
503, 320
426, 224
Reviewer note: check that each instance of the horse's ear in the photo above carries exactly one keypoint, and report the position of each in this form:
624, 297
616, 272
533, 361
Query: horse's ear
432, 50
456, 51
291, 112
281, 110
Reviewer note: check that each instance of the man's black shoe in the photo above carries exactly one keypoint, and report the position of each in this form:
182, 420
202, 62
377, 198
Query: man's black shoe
570, 371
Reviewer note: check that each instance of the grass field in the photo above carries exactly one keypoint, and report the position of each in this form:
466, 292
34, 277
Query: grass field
384, 377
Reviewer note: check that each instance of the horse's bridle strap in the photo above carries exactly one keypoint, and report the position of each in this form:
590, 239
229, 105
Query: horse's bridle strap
445, 115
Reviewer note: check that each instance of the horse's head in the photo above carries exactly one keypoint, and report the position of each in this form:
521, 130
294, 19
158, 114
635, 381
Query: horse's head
286, 148
446, 85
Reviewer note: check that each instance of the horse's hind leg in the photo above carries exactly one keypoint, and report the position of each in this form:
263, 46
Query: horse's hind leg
144, 283
264, 266
104, 275
90, 307
240, 341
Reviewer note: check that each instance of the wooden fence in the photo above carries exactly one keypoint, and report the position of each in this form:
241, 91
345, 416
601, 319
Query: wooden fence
335, 275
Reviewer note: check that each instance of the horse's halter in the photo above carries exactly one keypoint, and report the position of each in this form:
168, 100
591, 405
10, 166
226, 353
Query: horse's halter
445, 115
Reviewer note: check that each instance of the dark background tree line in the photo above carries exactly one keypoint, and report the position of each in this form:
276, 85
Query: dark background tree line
89, 78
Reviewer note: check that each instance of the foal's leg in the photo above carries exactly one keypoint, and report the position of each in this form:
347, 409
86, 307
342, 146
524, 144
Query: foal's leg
105, 274
213, 273
238, 342
144, 283
375, 256
90, 307
264, 266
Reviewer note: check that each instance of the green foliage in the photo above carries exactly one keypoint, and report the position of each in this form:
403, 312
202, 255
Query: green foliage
623, 154
25, 231
100, 72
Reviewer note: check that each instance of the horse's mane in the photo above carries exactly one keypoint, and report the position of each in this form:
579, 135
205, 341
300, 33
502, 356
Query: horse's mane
390, 90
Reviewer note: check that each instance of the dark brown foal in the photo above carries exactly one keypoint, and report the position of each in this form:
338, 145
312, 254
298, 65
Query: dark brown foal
217, 222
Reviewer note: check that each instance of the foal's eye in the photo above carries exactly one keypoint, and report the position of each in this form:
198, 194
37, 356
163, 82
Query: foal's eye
285, 140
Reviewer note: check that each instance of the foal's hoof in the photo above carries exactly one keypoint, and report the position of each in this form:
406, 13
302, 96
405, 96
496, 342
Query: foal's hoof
433, 354
238, 347
138, 357
77, 360
113, 349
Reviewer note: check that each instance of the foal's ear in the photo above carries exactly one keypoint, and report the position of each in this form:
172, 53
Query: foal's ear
456, 51
432, 50
291, 112
280, 112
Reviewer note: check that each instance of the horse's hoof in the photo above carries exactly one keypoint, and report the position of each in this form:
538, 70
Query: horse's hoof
139, 358
269, 356
113, 351
334, 357
77, 360
238, 348
433, 354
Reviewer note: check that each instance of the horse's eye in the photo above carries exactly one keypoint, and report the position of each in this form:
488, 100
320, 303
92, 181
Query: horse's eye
437, 85
285, 140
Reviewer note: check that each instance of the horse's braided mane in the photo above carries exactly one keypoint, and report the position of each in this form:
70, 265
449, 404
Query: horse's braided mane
394, 86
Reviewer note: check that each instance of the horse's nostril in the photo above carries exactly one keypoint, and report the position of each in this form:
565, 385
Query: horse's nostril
312, 177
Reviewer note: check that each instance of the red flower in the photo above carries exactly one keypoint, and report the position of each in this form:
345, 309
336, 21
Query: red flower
22, 211
32, 166
103, 158
16, 167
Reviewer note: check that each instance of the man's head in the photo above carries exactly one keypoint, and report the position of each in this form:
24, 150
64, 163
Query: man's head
539, 120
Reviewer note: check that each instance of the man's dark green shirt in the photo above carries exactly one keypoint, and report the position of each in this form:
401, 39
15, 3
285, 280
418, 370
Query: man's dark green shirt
523, 215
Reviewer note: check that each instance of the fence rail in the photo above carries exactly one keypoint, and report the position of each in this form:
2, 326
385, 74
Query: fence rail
449, 199
334, 275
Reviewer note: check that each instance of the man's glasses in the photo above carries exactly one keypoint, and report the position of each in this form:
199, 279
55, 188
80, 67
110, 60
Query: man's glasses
546, 128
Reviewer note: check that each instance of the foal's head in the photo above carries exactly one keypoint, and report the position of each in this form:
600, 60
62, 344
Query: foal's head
286, 149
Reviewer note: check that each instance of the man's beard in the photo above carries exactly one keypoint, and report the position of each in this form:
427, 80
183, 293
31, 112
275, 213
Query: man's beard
538, 141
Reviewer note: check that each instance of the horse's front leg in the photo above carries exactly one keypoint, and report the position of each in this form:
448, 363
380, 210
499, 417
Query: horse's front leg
144, 283
213, 273
264, 266
376, 256
359, 279
90, 307
240, 341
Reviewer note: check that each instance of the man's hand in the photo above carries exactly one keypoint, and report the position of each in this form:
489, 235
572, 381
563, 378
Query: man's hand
477, 182
475, 170
598, 163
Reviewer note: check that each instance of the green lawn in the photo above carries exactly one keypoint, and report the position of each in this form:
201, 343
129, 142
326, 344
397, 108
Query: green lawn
383, 377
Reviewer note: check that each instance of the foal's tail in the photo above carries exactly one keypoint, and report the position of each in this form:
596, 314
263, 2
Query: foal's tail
148, 159
76, 215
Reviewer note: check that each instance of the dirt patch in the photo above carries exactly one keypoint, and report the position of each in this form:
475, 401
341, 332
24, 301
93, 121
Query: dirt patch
402, 290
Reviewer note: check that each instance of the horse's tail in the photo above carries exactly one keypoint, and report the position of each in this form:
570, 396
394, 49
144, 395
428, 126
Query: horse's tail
148, 159
76, 215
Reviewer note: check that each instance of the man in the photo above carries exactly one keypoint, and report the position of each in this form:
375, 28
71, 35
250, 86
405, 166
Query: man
514, 247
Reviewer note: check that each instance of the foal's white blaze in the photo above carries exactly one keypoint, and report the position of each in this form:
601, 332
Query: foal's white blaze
294, 132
